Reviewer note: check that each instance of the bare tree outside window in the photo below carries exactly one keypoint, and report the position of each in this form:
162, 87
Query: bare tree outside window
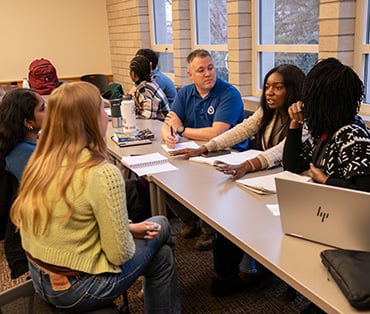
211, 31
288, 22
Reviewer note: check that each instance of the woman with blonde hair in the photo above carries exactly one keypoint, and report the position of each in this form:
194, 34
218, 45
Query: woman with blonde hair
71, 212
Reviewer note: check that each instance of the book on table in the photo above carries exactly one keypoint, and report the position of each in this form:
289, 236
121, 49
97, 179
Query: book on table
234, 158
123, 139
147, 164
266, 184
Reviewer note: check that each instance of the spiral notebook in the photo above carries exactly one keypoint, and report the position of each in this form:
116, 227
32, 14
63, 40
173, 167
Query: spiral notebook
147, 164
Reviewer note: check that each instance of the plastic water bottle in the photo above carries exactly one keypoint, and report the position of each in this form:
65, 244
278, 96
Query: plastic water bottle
25, 83
128, 111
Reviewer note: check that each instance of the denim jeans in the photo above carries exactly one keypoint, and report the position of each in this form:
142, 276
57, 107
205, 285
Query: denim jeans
153, 259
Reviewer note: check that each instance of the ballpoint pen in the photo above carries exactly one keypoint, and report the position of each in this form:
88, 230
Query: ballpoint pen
171, 128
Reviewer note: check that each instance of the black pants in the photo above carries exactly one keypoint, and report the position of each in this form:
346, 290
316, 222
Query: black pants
226, 257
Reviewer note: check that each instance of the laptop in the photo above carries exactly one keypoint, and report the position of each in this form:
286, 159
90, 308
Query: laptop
329, 215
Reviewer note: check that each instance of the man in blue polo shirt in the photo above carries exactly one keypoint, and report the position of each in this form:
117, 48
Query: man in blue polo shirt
201, 111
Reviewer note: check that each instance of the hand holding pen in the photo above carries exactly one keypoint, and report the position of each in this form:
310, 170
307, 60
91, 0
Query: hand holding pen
171, 139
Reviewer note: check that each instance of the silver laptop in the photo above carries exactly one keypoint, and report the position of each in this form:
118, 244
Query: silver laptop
329, 215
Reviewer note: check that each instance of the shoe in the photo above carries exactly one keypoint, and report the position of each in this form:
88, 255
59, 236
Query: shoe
189, 229
204, 243
221, 287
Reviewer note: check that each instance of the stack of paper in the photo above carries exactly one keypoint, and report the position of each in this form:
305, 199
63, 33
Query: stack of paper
266, 184
235, 158
147, 164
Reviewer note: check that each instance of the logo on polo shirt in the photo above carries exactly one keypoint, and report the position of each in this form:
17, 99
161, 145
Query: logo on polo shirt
211, 110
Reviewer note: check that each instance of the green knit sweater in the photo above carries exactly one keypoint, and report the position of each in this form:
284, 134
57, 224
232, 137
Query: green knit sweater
96, 238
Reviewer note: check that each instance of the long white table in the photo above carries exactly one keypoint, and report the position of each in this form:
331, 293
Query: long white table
243, 218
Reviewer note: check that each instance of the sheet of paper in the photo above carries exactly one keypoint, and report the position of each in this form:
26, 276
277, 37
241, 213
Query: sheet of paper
235, 158
274, 209
180, 145
266, 184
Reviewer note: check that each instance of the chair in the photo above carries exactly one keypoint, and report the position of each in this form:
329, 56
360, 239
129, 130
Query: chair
23, 298
99, 80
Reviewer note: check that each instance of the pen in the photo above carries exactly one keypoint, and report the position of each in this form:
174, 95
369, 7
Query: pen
171, 130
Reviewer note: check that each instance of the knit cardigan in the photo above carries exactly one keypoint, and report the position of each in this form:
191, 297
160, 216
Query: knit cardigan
270, 157
96, 238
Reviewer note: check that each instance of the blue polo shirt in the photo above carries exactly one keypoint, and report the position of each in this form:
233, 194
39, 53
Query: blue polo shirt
222, 104
166, 85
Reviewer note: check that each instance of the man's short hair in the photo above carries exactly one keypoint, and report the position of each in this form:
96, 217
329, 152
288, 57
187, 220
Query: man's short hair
150, 54
202, 53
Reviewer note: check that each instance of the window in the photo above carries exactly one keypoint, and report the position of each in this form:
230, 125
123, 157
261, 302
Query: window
285, 32
362, 60
210, 31
161, 30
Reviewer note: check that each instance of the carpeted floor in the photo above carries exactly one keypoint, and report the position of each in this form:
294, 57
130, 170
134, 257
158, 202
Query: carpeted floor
195, 271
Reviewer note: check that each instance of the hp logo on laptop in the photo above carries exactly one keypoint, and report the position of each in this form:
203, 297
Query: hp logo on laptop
322, 215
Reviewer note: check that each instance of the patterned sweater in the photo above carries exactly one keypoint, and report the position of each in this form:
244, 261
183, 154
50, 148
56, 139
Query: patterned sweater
269, 158
345, 158
150, 101
96, 238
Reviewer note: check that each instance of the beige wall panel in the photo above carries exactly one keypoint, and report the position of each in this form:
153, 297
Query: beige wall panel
73, 34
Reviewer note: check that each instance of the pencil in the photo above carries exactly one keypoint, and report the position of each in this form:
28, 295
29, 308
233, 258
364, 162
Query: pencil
171, 130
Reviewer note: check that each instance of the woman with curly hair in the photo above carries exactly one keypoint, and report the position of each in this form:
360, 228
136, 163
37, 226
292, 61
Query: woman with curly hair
337, 148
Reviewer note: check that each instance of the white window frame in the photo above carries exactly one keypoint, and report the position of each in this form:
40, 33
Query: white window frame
258, 48
361, 48
163, 48
194, 33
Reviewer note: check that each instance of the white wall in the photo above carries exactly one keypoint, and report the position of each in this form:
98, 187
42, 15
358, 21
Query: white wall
72, 34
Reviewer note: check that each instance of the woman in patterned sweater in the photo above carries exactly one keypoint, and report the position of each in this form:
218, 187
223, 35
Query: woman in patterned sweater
71, 211
337, 148
150, 100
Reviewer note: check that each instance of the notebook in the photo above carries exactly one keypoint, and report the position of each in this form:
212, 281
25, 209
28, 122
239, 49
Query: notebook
147, 164
325, 214
235, 158
266, 184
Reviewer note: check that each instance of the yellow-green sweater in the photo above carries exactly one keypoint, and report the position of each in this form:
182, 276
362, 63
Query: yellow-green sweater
96, 238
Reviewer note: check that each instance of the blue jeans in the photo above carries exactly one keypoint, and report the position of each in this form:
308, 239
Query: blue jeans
153, 259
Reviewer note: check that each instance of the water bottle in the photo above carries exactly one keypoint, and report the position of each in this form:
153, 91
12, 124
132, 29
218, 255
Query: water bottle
128, 111
115, 105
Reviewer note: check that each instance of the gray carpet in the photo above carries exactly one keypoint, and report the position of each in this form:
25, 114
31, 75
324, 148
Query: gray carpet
195, 271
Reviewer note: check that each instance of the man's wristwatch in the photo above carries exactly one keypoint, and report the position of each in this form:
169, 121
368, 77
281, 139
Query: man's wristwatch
180, 130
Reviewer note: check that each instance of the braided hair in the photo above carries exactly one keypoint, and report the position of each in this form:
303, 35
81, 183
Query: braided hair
140, 65
332, 94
